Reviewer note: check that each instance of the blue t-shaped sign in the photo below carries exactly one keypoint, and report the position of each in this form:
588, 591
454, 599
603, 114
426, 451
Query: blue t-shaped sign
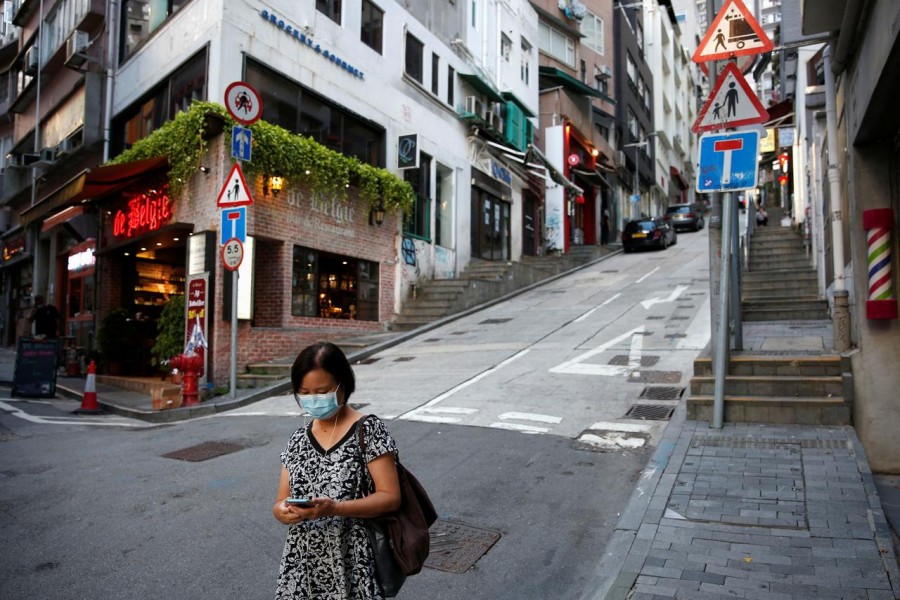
728, 161
234, 224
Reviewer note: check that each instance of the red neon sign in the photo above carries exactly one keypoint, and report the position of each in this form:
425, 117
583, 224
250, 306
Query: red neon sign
145, 212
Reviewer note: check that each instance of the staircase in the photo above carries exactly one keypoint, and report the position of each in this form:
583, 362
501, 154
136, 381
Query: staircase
780, 284
783, 375
483, 281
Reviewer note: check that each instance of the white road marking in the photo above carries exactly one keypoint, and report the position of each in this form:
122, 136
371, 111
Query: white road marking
611, 440
454, 410
113, 422
588, 313
577, 366
413, 416
634, 354
698, 332
610, 426
672, 297
463, 385
647, 275
522, 428
530, 417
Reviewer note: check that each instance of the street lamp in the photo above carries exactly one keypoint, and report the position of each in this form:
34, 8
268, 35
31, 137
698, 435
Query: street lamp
635, 194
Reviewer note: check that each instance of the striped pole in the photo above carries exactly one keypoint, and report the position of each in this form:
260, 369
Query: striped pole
881, 303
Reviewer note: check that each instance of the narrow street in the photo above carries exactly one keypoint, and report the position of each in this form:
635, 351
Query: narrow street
514, 419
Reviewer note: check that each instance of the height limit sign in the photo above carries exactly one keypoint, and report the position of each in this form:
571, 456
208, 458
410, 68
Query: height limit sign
232, 254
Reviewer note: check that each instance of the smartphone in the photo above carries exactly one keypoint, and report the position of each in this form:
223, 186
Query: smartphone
302, 502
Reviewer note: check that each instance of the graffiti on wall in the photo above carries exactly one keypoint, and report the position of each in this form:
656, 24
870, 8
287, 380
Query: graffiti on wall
444, 263
553, 231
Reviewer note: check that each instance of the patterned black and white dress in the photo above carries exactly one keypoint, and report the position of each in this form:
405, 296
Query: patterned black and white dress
331, 558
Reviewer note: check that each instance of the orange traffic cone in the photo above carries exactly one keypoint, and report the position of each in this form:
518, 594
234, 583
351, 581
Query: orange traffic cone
89, 400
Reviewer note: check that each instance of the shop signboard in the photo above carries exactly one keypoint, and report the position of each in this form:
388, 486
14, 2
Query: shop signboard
408, 152
195, 306
35, 370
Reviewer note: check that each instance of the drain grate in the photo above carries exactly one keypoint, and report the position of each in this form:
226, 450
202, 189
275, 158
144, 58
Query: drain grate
765, 443
369, 361
686, 306
623, 360
494, 321
432, 340
459, 333
661, 392
456, 547
655, 318
655, 377
650, 412
679, 318
404, 358
610, 271
673, 336
204, 451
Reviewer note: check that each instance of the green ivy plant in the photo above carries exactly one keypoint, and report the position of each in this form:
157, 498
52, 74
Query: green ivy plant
169, 332
300, 160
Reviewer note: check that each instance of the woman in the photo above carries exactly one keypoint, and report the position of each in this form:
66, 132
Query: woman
327, 554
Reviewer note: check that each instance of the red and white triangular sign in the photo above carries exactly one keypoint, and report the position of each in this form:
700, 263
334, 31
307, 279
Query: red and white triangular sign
235, 191
731, 104
734, 32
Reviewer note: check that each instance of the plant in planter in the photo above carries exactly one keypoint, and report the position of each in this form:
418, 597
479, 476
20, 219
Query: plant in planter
115, 339
169, 333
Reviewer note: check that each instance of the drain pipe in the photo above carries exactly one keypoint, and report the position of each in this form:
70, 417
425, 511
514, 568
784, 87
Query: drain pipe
112, 56
841, 312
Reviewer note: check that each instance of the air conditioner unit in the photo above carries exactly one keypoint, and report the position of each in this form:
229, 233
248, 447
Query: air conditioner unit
14, 160
494, 116
76, 46
46, 158
474, 106
620, 158
30, 66
65, 147
605, 72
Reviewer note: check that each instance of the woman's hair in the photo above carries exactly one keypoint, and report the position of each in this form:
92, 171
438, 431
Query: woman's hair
328, 357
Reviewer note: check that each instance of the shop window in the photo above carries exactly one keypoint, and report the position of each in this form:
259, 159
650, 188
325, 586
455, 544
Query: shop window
525, 64
299, 110
330, 8
140, 18
174, 94
331, 286
414, 52
417, 223
556, 43
451, 83
435, 73
372, 25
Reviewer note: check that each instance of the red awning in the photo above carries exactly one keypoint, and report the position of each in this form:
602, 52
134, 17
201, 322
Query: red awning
93, 184
676, 175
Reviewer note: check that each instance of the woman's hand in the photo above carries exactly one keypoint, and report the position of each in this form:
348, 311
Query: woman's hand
291, 514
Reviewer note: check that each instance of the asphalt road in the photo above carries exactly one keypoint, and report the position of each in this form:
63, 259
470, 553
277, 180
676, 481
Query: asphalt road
515, 426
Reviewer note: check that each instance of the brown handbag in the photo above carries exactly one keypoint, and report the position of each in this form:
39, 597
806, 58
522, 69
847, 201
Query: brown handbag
404, 532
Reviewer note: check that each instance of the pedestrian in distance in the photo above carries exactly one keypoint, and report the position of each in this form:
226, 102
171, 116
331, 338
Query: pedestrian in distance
327, 488
45, 318
761, 217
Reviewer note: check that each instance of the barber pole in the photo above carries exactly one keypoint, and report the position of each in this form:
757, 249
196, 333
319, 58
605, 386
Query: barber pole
89, 403
881, 303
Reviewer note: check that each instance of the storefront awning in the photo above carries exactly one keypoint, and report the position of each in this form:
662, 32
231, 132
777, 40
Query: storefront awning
537, 164
93, 184
510, 97
482, 86
595, 177
558, 77
677, 176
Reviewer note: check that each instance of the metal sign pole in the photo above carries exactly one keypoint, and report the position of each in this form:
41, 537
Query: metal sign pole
721, 354
736, 276
234, 336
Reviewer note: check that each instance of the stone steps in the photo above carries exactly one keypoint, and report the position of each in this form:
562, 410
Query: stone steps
756, 409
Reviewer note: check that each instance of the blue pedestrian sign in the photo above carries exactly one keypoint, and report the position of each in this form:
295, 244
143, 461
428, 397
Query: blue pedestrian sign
241, 143
728, 161
234, 224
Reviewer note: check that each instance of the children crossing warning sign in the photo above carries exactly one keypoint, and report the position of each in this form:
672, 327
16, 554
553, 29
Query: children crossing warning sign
235, 191
734, 32
731, 104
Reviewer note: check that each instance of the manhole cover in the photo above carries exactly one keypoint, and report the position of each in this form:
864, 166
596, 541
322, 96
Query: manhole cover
456, 547
623, 360
655, 377
204, 451
652, 412
496, 321
433, 340
368, 361
661, 392
404, 358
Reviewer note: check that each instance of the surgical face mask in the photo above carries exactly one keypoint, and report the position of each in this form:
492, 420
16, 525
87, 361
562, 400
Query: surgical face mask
319, 406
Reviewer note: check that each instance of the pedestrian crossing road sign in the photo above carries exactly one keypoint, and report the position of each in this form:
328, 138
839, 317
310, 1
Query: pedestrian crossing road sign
234, 191
731, 104
728, 161
734, 32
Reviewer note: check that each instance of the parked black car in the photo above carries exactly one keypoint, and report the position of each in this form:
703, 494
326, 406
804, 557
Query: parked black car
686, 216
650, 232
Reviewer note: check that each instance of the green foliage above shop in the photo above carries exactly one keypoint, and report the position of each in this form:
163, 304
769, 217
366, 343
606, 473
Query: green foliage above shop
276, 151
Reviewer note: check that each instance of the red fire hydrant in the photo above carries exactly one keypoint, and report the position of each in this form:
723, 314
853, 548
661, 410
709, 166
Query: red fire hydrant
192, 368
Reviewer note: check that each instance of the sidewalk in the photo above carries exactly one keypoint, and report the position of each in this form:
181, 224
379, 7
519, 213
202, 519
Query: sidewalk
781, 512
